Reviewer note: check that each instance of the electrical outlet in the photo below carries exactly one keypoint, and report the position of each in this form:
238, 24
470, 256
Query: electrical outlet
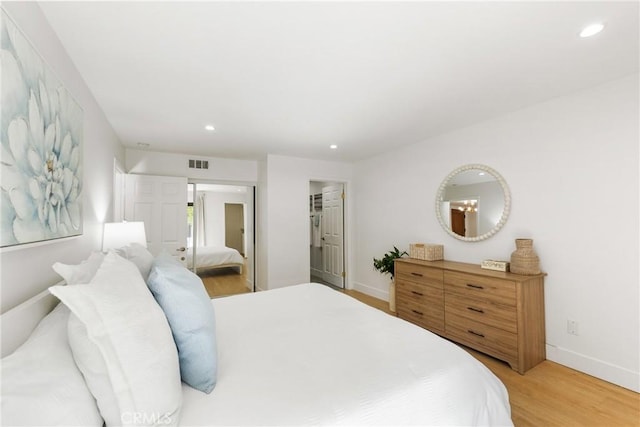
572, 327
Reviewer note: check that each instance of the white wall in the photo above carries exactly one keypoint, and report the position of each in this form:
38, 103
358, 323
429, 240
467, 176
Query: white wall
27, 271
566, 161
170, 164
286, 215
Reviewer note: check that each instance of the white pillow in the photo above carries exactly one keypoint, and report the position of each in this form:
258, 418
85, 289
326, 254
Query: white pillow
139, 255
129, 358
41, 384
75, 274
89, 359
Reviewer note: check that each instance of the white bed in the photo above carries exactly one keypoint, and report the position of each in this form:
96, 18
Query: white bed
309, 355
209, 257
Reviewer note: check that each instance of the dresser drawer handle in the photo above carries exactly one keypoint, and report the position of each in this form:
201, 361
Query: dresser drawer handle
417, 293
418, 312
478, 334
474, 286
416, 274
477, 310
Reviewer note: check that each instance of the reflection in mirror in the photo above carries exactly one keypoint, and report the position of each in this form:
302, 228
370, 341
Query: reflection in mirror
221, 249
463, 217
473, 202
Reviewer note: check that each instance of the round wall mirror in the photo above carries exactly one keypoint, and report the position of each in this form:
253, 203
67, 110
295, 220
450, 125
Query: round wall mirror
473, 203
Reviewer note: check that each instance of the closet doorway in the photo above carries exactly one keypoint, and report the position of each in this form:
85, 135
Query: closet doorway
326, 233
221, 243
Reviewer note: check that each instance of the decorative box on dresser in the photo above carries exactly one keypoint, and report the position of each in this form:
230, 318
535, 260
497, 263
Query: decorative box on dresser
500, 314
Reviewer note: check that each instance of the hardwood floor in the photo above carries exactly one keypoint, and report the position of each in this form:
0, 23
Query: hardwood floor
554, 395
369, 300
224, 281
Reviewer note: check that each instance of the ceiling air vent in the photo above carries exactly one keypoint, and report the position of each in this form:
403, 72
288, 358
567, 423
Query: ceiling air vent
198, 164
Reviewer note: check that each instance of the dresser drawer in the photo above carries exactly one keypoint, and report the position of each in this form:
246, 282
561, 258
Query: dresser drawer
419, 292
484, 311
430, 316
494, 341
487, 288
418, 273
500, 314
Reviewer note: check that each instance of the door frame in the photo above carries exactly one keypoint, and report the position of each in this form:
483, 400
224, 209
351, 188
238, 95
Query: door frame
347, 228
254, 186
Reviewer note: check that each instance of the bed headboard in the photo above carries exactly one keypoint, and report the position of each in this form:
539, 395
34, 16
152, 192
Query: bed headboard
17, 324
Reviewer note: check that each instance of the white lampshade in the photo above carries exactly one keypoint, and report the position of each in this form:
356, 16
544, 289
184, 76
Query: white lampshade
119, 234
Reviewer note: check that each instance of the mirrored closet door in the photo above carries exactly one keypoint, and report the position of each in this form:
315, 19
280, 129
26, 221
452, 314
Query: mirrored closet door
221, 237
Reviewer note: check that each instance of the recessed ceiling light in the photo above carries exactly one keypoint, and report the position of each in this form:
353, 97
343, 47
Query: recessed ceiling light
333, 146
210, 128
143, 145
481, 173
591, 30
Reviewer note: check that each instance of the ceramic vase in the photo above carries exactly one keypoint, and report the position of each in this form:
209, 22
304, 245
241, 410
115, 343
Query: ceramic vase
524, 259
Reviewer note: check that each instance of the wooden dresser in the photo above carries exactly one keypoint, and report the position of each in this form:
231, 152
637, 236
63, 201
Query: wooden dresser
500, 314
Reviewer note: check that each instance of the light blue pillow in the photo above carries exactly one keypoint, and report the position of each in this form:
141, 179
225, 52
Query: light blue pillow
189, 311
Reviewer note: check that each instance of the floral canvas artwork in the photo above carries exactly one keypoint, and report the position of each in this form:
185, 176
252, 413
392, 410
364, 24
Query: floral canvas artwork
41, 157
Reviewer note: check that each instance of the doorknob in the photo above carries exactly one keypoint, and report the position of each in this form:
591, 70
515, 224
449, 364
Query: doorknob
182, 249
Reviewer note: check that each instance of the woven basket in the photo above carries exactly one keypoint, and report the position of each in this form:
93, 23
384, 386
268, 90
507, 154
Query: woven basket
426, 251
524, 259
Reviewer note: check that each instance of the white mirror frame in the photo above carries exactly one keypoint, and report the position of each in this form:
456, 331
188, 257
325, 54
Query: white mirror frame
505, 211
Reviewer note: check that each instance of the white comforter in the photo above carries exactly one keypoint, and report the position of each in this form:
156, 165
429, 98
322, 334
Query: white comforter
307, 354
213, 256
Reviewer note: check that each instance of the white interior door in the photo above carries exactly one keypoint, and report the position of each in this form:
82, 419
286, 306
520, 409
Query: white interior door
161, 202
332, 234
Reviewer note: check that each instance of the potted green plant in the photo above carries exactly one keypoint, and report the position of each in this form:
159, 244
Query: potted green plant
386, 265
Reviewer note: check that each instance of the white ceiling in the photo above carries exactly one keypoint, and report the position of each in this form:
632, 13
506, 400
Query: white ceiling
292, 78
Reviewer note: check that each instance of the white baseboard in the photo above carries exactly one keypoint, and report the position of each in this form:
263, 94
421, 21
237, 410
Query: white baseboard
594, 367
374, 292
